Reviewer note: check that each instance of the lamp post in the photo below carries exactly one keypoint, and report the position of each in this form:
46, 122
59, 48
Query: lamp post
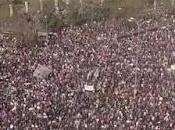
47, 37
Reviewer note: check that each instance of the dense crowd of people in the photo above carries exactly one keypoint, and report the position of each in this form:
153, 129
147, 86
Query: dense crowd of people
133, 85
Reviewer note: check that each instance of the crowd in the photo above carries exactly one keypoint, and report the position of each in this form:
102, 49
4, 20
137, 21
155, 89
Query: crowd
133, 89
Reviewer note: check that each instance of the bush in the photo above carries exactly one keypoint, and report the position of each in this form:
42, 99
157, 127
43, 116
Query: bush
72, 15
17, 1
25, 27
